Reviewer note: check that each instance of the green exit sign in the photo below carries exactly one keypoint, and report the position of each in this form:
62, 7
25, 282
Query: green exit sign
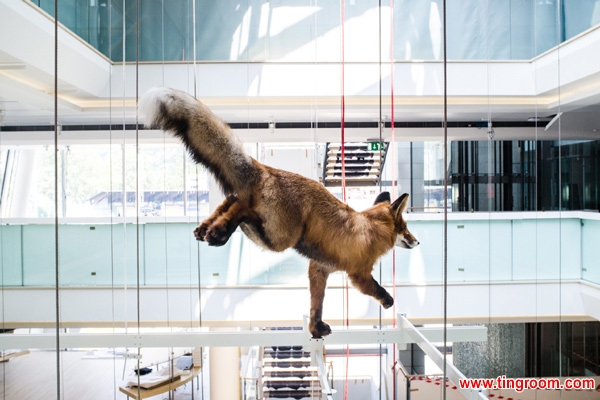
376, 146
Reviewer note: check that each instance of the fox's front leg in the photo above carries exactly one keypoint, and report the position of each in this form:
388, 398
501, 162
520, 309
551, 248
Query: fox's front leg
219, 227
366, 284
317, 275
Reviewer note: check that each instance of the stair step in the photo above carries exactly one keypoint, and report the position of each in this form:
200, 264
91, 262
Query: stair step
294, 394
292, 354
352, 173
284, 348
285, 374
287, 364
292, 384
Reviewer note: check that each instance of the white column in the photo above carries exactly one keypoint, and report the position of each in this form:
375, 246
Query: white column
224, 367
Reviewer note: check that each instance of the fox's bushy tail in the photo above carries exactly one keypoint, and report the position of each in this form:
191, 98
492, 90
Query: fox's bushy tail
209, 140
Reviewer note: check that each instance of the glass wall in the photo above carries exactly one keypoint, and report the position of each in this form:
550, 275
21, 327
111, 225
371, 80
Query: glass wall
524, 175
255, 31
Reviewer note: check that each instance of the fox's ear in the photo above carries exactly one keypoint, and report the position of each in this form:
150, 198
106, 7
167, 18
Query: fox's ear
383, 197
399, 206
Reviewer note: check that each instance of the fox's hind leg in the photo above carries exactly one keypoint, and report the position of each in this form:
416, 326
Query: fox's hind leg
317, 275
368, 285
218, 228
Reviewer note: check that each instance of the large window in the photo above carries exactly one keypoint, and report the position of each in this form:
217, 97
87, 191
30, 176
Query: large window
286, 30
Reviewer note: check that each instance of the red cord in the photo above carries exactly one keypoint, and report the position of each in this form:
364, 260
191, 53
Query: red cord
343, 110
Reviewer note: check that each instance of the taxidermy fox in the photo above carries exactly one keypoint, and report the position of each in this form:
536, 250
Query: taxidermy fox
278, 209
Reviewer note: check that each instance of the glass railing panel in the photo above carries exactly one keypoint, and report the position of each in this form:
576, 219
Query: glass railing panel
590, 238
38, 255
478, 250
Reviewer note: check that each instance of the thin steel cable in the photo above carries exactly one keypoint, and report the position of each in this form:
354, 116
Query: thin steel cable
199, 266
123, 169
110, 185
445, 203
560, 183
137, 180
343, 140
137, 160
393, 178
381, 127
343, 100
56, 255
491, 147
194, 45
124, 179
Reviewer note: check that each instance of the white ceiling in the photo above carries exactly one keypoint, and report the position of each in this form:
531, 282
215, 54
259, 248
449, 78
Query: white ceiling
93, 91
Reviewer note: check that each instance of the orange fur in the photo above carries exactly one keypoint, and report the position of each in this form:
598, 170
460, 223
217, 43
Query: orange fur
279, 209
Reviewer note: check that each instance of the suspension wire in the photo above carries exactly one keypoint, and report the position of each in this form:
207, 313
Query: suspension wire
343, 141
491, 149
445, 376
343, 101
393, 178
199, 264
56, 249
537, 166
559, 17
137, 158
137, 180
194, 45
110, 185
380, 146
124, 179
315, 123
123, 172
164, 208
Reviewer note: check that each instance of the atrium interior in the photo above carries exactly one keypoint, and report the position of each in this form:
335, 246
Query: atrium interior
487, 113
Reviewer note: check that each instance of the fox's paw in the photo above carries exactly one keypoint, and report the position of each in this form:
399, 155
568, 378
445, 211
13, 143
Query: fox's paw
200, 231
319, 330
384, 297
387, 302
217, 235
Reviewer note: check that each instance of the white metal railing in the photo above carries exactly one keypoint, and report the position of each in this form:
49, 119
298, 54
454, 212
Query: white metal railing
317, 360
236, 339
437, 357
404, 334
251, 374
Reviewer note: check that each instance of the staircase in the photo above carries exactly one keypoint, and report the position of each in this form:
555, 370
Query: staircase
363, 163
287, 374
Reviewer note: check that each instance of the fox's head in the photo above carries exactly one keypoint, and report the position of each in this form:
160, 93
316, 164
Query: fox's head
404, 238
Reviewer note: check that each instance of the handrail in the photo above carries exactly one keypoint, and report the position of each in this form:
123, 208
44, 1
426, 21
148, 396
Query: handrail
316, 360
436, 356
234, 339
